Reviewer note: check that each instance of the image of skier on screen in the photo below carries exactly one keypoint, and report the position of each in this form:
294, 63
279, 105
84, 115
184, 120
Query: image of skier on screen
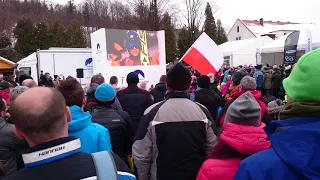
133, 45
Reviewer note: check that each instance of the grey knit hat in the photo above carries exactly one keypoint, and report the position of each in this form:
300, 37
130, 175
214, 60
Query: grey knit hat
244, 110
15, 92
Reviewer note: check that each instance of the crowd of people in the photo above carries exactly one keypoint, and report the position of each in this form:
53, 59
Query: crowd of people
240, 123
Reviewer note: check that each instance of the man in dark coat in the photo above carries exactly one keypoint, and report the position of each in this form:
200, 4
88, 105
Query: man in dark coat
160, 90
118, 122
134, 100
208, 97
276, 81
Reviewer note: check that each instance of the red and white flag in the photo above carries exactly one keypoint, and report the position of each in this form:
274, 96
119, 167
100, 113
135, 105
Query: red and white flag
204, 55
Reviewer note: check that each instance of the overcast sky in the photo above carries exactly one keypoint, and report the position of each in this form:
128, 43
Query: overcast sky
304, 11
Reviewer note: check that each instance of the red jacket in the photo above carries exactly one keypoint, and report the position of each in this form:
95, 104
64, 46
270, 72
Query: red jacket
5, 94
236, 143
257, 95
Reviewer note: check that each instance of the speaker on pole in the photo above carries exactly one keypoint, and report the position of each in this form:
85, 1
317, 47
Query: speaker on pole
80, 73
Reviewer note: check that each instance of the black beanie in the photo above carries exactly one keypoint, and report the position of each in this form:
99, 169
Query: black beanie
204, 81
132, 78
237, 76
179, 78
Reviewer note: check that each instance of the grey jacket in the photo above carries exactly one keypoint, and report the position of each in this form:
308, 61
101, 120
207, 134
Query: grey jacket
173, 140
8, 146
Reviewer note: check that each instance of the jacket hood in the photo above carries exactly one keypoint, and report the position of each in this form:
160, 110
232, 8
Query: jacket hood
161, 87
80, 119
296, 142
256, 94
246, 139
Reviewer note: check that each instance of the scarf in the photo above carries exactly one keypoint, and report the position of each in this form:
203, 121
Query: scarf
300, 109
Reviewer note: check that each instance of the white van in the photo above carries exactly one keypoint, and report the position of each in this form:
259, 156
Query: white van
58, 61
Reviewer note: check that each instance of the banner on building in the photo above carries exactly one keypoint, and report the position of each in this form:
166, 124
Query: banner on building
309, 41
290, 48
204, 55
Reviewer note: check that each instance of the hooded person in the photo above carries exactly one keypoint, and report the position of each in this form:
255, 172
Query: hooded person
118, 122
93, 136
242, 136
175, 135
160, 89
134, 100
295, 137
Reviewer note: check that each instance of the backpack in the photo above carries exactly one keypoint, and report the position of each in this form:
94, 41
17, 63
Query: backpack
105, 166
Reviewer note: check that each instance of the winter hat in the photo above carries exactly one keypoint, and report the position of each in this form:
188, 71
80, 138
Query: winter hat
204, 81
237, 76
179, 78
244, 110
105, 93
303, 83
132, 78
92, 88
15, 92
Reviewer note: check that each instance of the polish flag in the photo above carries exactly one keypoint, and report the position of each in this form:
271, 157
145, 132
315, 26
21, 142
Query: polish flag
204, 55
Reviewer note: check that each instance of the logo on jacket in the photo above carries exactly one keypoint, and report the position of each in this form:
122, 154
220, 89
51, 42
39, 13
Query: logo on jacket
140, 74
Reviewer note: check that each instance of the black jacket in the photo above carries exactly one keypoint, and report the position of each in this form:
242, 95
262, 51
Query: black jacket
210, 99
214, 87
173, 139
120, 128
74, 166
9, 147
92, 103
159, 92
134, 101
276, 79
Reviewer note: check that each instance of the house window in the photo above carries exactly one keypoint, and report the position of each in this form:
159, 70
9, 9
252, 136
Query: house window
238, 29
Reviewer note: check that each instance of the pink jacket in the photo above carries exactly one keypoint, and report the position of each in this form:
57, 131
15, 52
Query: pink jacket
236, 143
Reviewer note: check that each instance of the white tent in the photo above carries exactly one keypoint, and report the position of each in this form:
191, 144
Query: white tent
272, 53
278, 45
243, 52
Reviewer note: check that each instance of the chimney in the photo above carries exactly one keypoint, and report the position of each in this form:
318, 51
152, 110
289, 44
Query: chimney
261, 21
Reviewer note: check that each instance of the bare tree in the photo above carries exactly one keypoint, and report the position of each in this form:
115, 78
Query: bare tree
148, 14
194, 15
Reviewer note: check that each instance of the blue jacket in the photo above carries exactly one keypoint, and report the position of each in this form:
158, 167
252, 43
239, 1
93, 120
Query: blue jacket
294, 154
258, 75
93, 137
